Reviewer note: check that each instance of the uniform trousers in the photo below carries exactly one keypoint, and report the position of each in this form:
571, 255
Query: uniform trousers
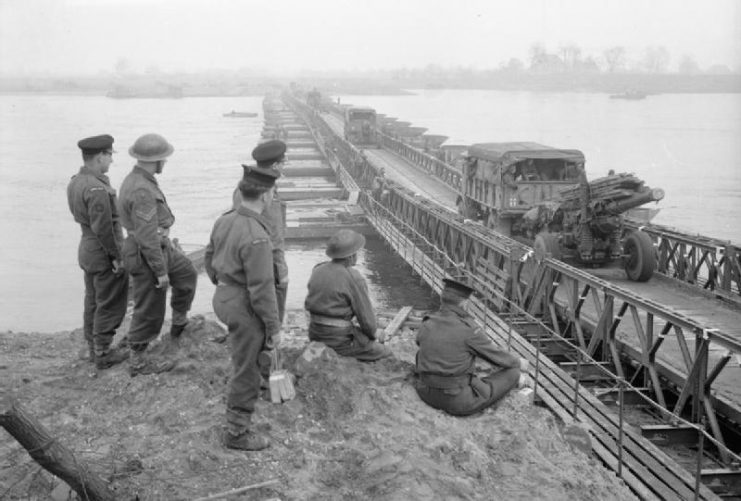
473, 397
150, 302
348, 342
106, 296
246, 341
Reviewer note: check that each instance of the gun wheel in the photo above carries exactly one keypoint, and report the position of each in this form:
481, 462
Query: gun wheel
639, 255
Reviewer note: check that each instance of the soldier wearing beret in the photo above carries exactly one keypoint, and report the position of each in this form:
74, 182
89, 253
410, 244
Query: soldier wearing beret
271, 155
449, 342
337, 294
92, 202
239, 260
150, 257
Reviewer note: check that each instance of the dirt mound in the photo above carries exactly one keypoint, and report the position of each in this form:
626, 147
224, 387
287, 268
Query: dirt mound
354, 431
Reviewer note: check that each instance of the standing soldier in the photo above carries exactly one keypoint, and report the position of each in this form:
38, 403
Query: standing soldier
239, 260
150, 257
271, 155
449, 341
337, 294
92, 202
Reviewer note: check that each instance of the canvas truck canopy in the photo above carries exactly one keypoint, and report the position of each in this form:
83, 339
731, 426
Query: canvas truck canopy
511, 153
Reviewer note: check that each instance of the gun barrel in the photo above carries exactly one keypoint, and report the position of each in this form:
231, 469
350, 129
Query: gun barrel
640, 198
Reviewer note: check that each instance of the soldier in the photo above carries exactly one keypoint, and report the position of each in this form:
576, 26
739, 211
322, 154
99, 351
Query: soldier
239, 260
337, 293
449, 342
150, 257
271, 155
92, 202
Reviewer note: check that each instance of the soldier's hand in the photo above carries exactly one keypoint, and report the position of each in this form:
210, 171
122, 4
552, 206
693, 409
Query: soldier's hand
162, 282
275, 340
117, 267
524, 364
381, 335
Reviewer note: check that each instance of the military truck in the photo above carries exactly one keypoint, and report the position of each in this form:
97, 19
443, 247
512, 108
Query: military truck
360, 125
540, 195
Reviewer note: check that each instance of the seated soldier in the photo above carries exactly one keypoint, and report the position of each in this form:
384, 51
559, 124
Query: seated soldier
449, 342
337, 293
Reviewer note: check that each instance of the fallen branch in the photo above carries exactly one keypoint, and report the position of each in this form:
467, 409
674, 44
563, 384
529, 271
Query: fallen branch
50, 454
225, 494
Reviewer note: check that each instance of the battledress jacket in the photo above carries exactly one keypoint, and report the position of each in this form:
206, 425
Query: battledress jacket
92, 202
450, 340
146, 216
273, 214
340, 291
239, 254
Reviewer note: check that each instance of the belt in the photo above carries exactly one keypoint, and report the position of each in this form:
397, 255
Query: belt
331, 321
439, 382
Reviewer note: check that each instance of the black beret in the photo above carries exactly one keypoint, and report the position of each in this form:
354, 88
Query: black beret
260, 176
456, 287
96, 144
269, 152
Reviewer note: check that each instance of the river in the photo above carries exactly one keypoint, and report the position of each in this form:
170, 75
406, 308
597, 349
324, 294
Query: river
686, 144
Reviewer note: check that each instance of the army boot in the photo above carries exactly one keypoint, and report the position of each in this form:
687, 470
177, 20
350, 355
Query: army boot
179, 322
107, 358
247, 441
140, 364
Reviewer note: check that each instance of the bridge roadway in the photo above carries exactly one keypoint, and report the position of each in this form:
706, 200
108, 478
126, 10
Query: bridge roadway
688, 301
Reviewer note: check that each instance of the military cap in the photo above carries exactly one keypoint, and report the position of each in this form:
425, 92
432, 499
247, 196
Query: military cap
457, 288
96, 144
260, 176
344, 243
269, 152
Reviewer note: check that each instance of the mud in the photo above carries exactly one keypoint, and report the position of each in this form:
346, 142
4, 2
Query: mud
354, 431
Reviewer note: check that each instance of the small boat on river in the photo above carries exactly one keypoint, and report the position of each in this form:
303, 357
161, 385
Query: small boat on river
240, 114
629, 94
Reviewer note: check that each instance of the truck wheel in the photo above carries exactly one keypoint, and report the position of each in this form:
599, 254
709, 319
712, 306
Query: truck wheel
547, 243
640, 256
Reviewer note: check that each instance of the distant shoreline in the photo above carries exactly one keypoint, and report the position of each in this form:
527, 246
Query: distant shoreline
177, 86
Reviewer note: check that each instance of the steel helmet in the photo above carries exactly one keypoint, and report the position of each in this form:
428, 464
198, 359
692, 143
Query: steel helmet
344, 243
151, 148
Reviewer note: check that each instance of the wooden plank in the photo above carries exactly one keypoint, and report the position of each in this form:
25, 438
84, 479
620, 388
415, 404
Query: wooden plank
399, 319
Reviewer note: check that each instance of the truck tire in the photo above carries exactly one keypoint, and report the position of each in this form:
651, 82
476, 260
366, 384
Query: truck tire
640, 256
547, 243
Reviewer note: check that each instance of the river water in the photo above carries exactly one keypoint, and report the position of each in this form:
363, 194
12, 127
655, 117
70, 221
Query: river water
686, 144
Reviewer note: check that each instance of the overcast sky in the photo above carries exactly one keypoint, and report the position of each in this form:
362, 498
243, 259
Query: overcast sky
89, 36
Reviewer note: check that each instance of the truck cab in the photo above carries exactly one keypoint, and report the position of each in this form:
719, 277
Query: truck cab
502, 181
360, 125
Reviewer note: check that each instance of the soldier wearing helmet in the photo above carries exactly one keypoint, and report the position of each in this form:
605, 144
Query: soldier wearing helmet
338, 294
150, 257
92, 202
239, 260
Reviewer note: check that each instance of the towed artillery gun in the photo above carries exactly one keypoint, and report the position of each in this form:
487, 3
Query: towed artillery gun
540, 196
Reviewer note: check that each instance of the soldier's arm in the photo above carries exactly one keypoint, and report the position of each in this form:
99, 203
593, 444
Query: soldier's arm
361, 304
485, 348
144, 218
257, 260
100, 215
208, 258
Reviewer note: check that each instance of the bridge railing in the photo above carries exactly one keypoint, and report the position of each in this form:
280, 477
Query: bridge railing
426, 161
709, 263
